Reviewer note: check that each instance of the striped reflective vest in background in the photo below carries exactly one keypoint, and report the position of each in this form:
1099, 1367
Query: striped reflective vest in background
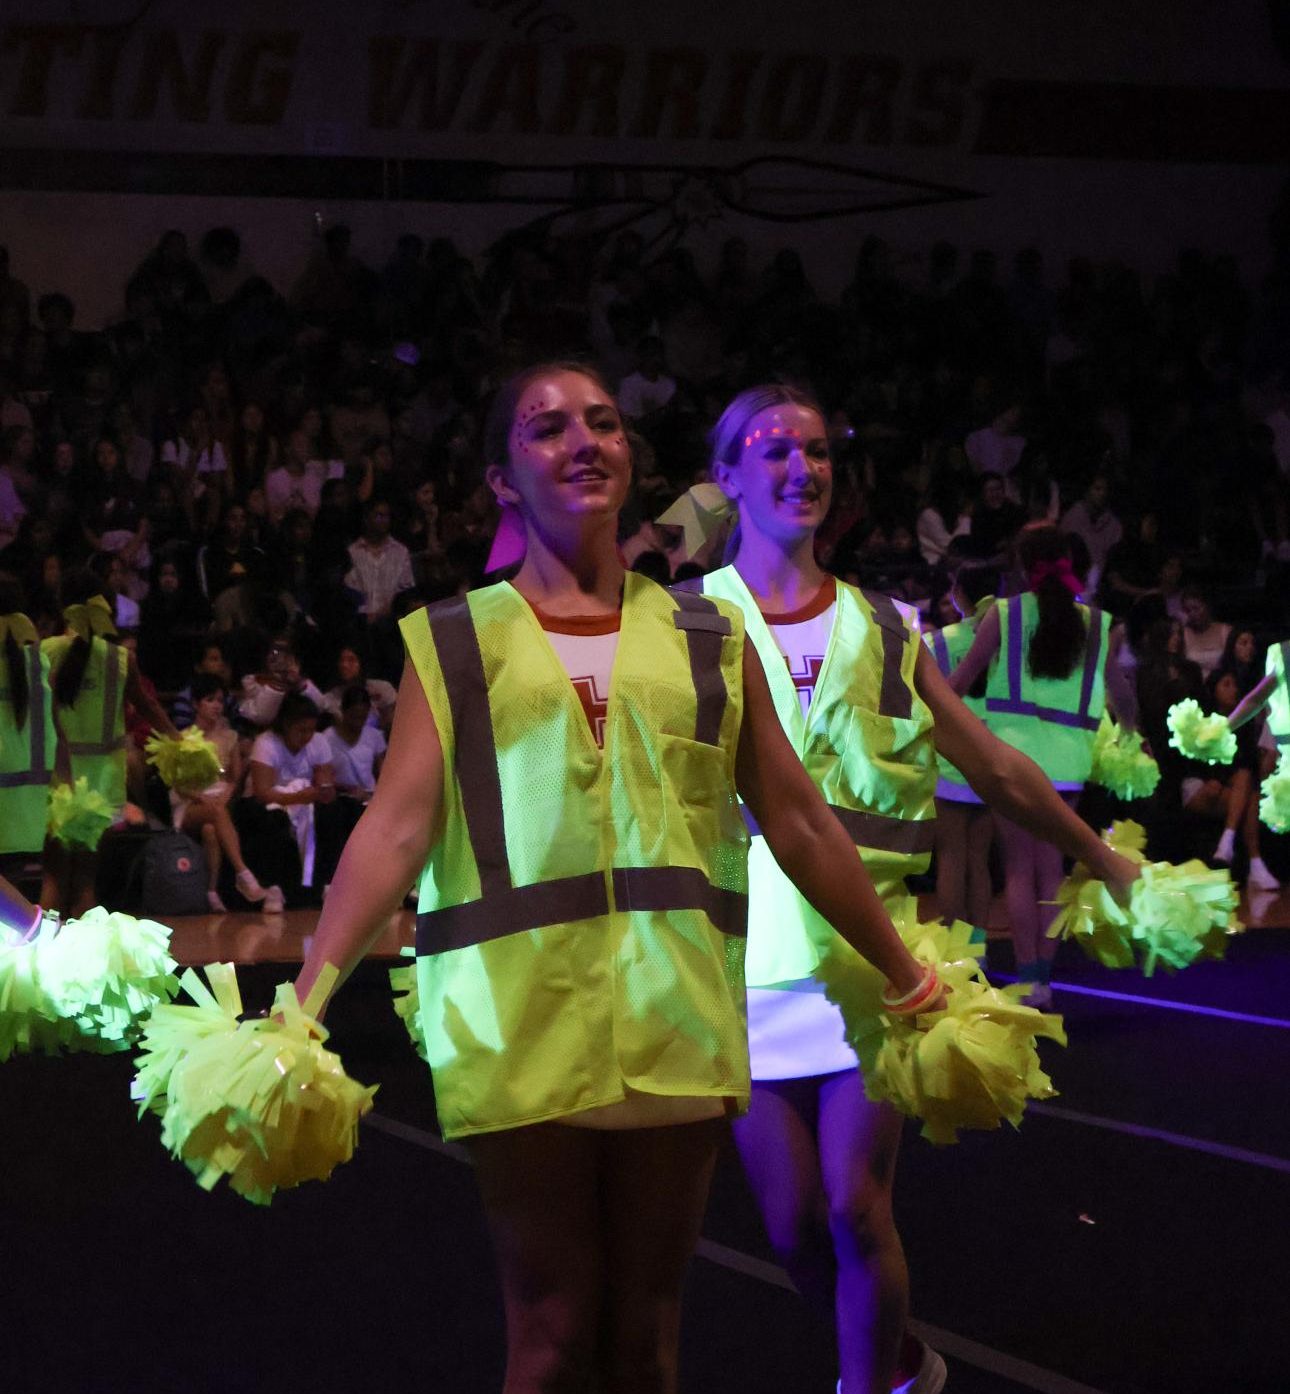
1278, 709
94, 725
1053, 720
582, 917
949, 647
867, 743
26, 756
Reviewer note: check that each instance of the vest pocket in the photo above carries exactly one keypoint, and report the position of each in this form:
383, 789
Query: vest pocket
700, 808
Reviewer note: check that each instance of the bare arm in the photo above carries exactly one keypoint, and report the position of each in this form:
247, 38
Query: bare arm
977, 659
390, 844
807, 840
143, 701
264, 788
1010, 781
1253, 702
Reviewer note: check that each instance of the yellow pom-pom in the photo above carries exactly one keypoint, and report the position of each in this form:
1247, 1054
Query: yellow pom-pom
261, 1102
28, 1019
1201, 737
104, 973
973, 1064
1174, 914
407, 1002
78, 815
1120, 764
1274, 802
189, 762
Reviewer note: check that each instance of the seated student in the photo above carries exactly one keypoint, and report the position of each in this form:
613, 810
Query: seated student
351, 670
1232, 792
204, 812
357, 747
263, 692
212, 660
292, 772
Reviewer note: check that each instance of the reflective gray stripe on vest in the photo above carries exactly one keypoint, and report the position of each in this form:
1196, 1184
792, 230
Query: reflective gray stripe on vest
894, 698
107, 742
37, 772
876, 830
705, 627
475, 747
504, 908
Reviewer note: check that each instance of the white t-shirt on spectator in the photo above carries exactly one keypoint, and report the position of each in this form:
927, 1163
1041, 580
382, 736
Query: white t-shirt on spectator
990, 450
208, 461
284, 491
270, 749
379, 573
260, 700
354, 765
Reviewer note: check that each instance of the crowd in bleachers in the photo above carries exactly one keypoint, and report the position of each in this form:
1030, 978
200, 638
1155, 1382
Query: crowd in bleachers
265, 478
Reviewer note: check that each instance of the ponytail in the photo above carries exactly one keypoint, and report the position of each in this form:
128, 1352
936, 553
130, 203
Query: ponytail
1059, 637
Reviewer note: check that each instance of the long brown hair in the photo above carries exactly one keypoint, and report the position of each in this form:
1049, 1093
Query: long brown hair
1058, 640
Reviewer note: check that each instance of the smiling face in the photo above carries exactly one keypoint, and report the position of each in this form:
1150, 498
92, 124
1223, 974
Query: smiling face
783, 480
1244, 647
568, 456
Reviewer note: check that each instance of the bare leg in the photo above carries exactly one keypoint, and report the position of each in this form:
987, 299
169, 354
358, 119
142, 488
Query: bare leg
776, 1139
204, 814
979, 890
1250, 825
1238, 798
655, 1192
55, 871
951, 858
85, 865
1020, 891
211, 845
540, 1188
859, 1141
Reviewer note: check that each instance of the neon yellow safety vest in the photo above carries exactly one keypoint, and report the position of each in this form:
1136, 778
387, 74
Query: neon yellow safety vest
866, 742
26, 757
94, 725
949, 647
1053, 720
1278, 709
582, 918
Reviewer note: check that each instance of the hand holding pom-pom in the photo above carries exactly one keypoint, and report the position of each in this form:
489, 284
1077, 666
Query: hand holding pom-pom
261, 1102
407, 1003
1169, 916
189, 761
1121, 765
1201, 737
968, 1062
78, 815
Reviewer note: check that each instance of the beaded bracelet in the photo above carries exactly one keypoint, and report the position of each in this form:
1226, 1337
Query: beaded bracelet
916, 998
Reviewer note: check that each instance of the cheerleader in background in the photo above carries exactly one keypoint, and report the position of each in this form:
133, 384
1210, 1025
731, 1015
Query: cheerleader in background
964, 825
28, 740
1050, 665
866, 709
92, 677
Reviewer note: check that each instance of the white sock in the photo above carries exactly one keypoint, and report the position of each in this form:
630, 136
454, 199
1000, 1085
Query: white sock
1226, 848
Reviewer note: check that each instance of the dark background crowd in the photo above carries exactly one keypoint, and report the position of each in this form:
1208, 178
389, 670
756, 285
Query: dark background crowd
266, 477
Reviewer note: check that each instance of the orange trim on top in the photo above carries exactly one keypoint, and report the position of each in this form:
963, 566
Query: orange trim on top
579, 624
819, 602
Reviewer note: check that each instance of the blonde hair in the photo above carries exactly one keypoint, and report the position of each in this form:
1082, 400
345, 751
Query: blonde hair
727, 436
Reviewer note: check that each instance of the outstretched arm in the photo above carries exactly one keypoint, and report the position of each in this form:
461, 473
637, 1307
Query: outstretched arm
977, 659
807, 840
390, 844
1253, 702
1011, 782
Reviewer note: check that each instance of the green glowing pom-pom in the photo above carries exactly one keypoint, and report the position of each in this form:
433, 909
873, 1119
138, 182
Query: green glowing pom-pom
1174, 914
104, 973
188, 762
973, 1064
1121, 765
29, 1021
79, 815
1201, 737
1274, 802
261, 1102
407, 1002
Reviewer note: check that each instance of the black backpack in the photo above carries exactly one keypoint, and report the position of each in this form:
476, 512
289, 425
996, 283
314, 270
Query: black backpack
174, 876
